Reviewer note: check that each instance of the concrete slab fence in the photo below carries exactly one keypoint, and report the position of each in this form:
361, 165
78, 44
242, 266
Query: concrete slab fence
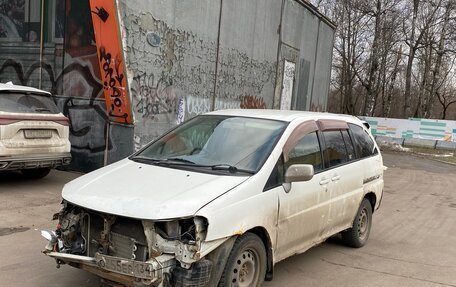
414, 132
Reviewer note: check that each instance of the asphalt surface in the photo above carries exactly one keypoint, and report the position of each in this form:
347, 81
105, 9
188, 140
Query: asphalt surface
412, 242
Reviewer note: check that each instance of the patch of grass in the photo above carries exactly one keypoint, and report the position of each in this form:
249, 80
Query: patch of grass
438, 154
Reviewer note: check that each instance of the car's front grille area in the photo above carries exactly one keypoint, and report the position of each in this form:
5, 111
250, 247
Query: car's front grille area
126, 247
126, 237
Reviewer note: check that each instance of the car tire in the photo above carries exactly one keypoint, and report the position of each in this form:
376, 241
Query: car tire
246, 264
358, 235
35, 173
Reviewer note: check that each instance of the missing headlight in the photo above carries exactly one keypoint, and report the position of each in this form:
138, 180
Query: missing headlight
182, 230
187, 230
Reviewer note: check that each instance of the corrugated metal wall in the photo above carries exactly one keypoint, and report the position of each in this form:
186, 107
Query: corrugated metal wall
186, 57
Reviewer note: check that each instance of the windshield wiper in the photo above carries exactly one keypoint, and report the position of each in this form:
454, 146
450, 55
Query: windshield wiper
178, 159
230, 168
163, 161
185, 162
144, 159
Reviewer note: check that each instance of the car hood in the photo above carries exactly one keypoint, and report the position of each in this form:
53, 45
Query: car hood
137, 190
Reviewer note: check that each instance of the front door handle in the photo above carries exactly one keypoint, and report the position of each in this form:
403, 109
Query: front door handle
335, 177
324, 181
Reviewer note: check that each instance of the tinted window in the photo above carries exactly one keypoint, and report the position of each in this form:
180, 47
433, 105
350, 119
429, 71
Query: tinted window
27, 103
306, 151
364, 145
349, 145
335, 151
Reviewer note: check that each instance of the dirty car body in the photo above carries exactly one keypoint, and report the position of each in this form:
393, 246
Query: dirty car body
34, 135
229, 187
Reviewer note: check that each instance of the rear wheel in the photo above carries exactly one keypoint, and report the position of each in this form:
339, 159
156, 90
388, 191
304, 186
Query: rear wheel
36, 173
246, 265
358, 235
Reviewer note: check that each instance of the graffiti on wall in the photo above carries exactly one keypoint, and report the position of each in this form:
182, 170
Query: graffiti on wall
110, 55
72, 71
180, 111
180, 65
243, 75
87, 120
167, 69
113, 85
153, 97
172, 72
287, 85
12, 70
197, 105
252, 102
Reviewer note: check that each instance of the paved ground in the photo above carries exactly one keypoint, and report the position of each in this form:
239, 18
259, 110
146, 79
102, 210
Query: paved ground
413, 239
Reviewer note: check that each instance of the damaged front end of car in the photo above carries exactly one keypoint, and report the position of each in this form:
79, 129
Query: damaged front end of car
132, 252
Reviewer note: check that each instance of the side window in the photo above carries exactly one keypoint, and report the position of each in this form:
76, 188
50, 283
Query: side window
364, 145
335, 152
349, 145
306, 151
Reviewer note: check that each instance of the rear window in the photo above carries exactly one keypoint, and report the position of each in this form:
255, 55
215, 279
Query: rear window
27, 103
364, 146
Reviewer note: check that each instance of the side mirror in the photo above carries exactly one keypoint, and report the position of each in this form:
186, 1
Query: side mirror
299, 172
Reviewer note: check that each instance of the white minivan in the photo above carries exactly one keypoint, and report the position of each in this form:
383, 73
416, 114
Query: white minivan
34, 134
221, 198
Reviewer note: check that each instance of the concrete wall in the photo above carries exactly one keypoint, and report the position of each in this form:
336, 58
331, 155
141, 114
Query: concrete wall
179, 64
248, 53
189, 57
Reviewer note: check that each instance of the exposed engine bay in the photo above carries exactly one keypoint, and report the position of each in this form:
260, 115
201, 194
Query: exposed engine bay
136, 252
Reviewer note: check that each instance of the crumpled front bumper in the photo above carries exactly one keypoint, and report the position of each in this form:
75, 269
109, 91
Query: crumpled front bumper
128, 272
121, 254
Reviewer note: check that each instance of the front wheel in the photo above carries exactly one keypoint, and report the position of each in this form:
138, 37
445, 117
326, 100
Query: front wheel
246, 265
357, 235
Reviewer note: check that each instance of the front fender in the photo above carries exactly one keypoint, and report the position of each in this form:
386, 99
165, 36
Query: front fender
228, 216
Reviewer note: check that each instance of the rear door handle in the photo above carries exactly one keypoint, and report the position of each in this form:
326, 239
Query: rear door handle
335, 178
324, 181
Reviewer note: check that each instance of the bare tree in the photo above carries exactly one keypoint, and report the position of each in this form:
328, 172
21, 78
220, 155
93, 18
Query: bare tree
440, 52
388, 48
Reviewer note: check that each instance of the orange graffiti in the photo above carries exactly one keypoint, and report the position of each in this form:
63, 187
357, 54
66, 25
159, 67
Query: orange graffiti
111, 60
252, 102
